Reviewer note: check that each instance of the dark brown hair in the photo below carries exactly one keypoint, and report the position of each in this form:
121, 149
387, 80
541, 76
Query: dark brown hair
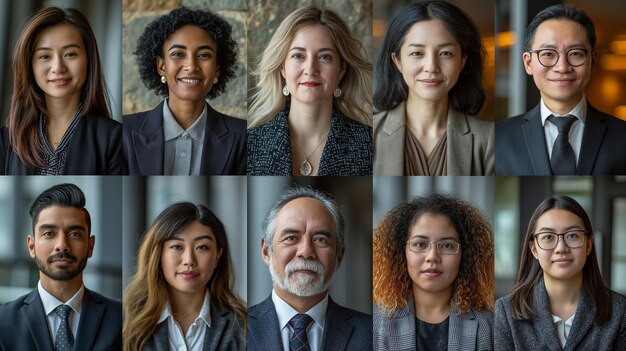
28, 100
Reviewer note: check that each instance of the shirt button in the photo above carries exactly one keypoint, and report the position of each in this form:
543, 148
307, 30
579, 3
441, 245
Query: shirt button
185, 135
183, 154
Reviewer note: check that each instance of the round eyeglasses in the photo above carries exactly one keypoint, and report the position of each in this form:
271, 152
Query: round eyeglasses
444, 247
549, 240
549, 57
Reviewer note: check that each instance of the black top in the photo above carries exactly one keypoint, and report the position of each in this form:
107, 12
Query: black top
432, 337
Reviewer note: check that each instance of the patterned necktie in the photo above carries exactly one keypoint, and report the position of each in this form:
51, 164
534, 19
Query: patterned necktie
299, 340
563, 160
65, 339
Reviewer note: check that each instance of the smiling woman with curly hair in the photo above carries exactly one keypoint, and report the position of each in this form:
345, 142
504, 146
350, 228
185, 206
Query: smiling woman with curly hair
433, 277
186, 56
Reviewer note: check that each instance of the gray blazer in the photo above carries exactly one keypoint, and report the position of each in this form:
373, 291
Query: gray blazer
225, 333
540, 334
470, 143
468, 331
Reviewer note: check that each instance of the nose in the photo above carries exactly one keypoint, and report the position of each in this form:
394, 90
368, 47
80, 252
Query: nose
58, 65
561, 246
432, 255
306, 248
431, 63
562, 65
311, 67
189, 257
191, 64
62, 244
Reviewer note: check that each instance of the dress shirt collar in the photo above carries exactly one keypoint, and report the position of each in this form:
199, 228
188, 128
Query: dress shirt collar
579, 111
50, 303
285, 312
204, 315
172, 130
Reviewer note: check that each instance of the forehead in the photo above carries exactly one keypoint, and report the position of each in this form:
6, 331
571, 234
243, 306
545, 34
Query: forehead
189, 35
429, 32
194, 230
433, 226
61, 215
558, 219
313, 36
560, 32
59, 35
305, 210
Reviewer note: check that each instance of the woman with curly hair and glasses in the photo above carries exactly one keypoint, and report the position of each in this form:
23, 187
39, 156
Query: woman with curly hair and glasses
186, 56
559, 301
311, 112
433, 277
181, 297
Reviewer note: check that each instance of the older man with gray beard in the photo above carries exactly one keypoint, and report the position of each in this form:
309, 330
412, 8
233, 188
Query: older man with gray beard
303, 245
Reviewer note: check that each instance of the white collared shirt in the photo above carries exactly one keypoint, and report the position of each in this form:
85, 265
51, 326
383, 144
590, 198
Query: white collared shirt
563, 328
316, 329
194, 340
575, 132
175, 136
50, 303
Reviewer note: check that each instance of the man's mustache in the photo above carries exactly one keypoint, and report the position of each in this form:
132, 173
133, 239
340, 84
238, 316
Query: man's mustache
61, 256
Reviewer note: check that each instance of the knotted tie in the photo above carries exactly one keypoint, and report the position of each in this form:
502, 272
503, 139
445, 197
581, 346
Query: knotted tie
563, 160
299, 340
65, 339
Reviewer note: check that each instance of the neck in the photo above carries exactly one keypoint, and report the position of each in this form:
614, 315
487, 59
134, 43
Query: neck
185, 303
432, 306
309, 119
185, 111
300, 303
561, 107
425, 116
62, 290
563, 291
62, 110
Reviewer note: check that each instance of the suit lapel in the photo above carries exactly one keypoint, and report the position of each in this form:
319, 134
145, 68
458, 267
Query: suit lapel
218, 325
392, 137
149, 143
263, 327
462, 331
161, 337
217, 144
92, 312
338, 328
543, 324
460, 141
592, 139
534, 137
583, 321
37, 322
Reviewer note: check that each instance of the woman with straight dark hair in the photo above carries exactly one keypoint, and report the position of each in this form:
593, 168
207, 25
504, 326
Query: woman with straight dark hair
427, 87
59, 121
559, 301
183, 286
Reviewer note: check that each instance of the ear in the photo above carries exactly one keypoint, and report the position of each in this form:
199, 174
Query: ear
396, 61
463, 62
282, 71
343, 71
265, 252
219, 255
594, 64
160, 63
90, 245
218, 71
30, 242
342, 251
527, 59
533, 249
589, 244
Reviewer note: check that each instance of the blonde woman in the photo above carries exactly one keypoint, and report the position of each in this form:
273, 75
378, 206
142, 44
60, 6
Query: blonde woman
311, 112
183, 286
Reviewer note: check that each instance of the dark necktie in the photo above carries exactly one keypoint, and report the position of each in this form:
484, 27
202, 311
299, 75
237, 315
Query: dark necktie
299, 340
563, 160
65, 339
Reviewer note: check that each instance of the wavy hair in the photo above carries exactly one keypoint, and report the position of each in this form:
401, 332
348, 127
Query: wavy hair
530, 272
356, 100
473, 288
467, 95
147, 295
28, 100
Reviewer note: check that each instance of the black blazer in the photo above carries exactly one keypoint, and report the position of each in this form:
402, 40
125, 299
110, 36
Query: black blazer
23, 324
223, 152
95, 149
344, 329
521, 145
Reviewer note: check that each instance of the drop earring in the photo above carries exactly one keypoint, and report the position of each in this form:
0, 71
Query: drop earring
337, 92
215, 80
286, 90
163, 79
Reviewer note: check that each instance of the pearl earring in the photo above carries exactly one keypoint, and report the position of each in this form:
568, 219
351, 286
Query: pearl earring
163, 79
337, 92
286, 90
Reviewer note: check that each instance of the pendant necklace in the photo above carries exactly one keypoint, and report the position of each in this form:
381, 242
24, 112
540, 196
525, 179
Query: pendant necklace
305, 167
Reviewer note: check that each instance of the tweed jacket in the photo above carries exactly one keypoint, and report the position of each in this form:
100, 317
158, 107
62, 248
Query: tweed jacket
344, 329
348, 149
467, 331
470, 143
225, 333
540, 334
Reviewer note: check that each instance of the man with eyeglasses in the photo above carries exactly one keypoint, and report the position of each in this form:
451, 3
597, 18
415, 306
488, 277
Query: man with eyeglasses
564, 134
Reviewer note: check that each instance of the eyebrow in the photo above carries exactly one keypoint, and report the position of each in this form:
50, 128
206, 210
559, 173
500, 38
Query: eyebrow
439, 46
289, 231
547, 229
573, 46
201, 47
198, 238
69, 227
425, 237
63, 47
303, 49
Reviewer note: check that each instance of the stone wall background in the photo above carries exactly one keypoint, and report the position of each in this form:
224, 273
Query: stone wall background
138, 13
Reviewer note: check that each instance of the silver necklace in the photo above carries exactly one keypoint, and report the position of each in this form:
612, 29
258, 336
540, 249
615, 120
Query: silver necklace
305, 167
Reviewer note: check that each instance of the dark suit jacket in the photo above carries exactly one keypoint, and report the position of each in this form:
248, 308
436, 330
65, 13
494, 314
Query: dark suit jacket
468, 331
95, 149
225, 333
344, 329
23, 324
540, 334
521, 145
223, 152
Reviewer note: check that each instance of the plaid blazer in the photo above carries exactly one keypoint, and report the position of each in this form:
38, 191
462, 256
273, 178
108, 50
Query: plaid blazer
540, 334
467, 331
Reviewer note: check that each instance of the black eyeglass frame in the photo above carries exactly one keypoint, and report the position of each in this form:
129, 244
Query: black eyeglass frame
559, 235
558, 56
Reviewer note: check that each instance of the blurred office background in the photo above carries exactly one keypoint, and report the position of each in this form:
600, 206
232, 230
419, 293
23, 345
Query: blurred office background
145, 197
352, 283
19, 273
516, 92
603, 198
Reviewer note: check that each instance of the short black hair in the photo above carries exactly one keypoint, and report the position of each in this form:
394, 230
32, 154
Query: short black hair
150, 46
467, 95
560, 12
64, 195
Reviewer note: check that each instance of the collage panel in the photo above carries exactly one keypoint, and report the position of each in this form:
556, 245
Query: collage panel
60, 263
309, 249
185, 263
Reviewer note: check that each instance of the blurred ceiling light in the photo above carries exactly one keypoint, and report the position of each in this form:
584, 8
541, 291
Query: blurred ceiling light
505, 39
378, 28
613, 62
618, 45
620, 112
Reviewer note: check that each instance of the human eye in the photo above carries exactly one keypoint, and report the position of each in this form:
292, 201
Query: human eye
573, 235
326, 57
446, 54
202, 247
447, 244
321, 240
205, 55
74, 234
176, 54
44, 57
416, 54
547, 236
547, 53
576, 53
419, 244
297, 56
176, 247
47, 234
71, 54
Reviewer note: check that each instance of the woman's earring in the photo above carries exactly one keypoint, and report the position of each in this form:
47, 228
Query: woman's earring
337, 92
215, 80
163, 79
286, 90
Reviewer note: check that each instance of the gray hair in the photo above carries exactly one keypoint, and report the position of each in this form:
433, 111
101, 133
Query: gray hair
269, 225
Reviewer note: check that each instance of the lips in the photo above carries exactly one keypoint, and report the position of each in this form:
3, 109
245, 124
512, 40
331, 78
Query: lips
60, 81
190, 80
431, 272
189, 274
562, 261
310, 84
430, 82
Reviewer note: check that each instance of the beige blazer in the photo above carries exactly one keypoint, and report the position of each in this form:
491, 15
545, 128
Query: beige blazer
470, 144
